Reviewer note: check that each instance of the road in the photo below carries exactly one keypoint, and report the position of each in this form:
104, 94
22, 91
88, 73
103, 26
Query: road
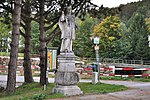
136, 91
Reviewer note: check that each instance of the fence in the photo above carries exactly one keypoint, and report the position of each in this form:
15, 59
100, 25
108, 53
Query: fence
19, 71
127, 65
118, 61
111, 71
5, 60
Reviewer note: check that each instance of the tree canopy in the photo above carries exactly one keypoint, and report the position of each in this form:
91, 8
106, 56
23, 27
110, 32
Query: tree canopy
109, 32
137, 36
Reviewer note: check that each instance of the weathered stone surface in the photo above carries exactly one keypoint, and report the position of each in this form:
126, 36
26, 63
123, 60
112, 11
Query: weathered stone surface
67, 78
67, 90
66, 62
70, 55
66, 67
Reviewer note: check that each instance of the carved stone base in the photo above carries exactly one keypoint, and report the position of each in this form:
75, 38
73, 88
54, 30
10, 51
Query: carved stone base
67, 90
66, 77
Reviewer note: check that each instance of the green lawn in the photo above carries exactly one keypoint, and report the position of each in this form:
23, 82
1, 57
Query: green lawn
89, 88
139, 79
8, 54
35, 92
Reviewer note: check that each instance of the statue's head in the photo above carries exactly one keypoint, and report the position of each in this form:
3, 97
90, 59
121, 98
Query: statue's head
69, 9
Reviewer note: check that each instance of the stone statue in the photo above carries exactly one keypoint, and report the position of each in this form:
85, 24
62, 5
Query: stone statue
66, 77
67, 26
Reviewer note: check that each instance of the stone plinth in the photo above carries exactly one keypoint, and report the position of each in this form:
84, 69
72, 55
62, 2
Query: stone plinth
67, 90
66, 76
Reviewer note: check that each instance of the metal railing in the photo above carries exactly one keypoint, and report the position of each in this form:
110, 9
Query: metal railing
118, 61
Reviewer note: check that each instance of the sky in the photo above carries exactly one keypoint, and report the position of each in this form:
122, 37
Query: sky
112, 3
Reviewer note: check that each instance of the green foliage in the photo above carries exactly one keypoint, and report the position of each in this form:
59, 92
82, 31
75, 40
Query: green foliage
56, 41
29, 91
8, 54
148, 23
83, 45
23, 98
142, 50
55, 95
137, 36
4, 54
108, 28
143, 8
146, 79
4, 35
35, 37
39, 97
110, 32
127, 11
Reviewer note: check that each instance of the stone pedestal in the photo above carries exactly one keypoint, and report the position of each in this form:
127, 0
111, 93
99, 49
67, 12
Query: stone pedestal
66, 77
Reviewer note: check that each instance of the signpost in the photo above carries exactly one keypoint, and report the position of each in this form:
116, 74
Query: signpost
96, 42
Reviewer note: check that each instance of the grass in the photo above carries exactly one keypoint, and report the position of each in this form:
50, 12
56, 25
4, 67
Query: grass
34, 91
8, 54
89, 88
83, 76
4, 54
49, 75
30, 91
139, 79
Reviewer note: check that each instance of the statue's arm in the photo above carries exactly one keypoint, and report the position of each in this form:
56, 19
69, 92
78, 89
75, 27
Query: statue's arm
62, 18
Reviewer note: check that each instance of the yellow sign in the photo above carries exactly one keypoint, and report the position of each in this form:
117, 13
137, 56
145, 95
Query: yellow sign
51, 58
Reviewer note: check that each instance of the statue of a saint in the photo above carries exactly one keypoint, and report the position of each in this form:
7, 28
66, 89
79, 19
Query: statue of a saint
67, 26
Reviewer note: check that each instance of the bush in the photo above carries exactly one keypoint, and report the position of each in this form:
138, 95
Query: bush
39, 97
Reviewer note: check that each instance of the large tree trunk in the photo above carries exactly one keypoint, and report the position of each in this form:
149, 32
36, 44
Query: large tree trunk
11, 80
42, 45
27, 51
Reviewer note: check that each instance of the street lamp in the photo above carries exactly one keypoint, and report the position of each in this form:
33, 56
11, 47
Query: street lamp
96, 42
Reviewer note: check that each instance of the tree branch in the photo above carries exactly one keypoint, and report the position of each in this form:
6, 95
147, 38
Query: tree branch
21, 33
52, 34
50, 26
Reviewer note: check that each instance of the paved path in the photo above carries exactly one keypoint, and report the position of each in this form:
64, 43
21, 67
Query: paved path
136, 91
